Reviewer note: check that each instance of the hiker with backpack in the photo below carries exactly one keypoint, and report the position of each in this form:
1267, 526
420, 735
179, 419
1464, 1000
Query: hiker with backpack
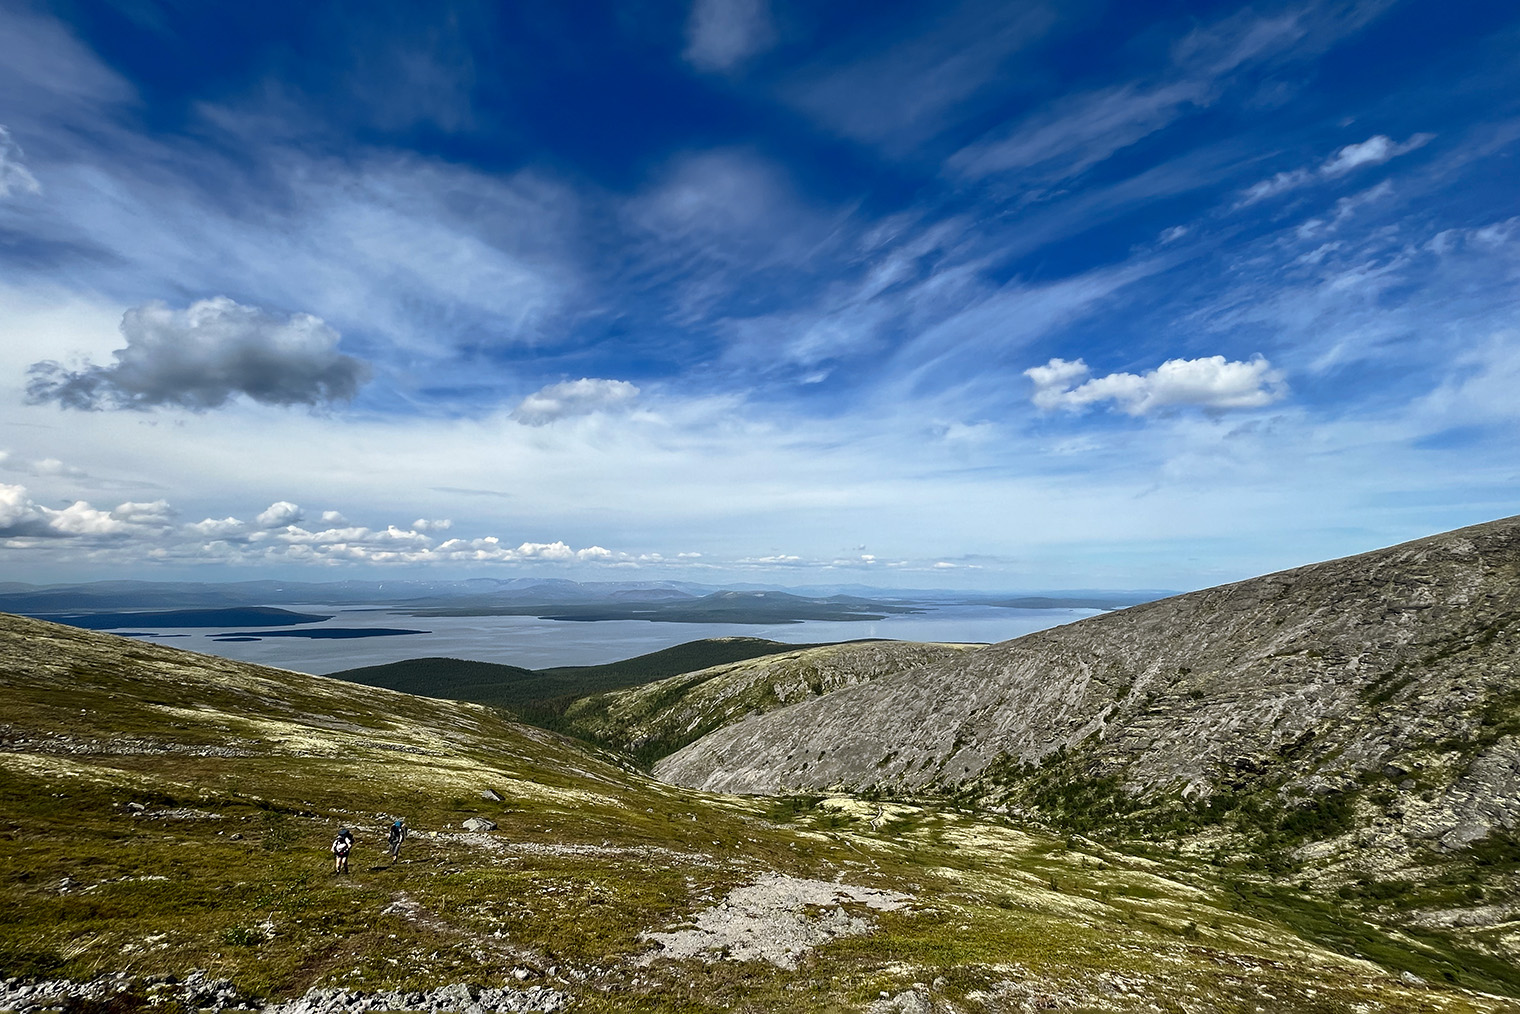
397, 836
341, 847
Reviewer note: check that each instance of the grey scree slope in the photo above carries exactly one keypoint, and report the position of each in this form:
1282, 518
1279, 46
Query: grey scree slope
1364, 663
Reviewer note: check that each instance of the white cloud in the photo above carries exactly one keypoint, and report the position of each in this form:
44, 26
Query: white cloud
334, 518
491, 550
40, 467
723, 33
15, 177
1373, 151
79, 518
573, 398
157, 513
900, 94
1271, 187
430, 524
214, 529
1081, 130
279, 514
200, 357
1210, 383
1052, 380
21, 517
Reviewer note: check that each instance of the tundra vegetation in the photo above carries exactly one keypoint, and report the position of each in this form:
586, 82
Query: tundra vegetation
163, 812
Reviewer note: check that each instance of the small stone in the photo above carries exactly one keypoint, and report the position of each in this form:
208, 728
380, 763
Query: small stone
490, 795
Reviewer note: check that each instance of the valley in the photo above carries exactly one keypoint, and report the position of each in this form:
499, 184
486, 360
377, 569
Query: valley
1182, 806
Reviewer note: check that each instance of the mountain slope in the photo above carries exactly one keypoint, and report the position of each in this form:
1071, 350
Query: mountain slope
654, 719
1321, 661
165, 812
1355, 723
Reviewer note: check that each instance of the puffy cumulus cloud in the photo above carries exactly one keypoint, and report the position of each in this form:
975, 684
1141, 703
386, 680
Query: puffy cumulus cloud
148, 531
491, 550
201, 357
279, 514
1211, 383
573, 398
158, 513
15, 177
723, 33
23, 518
1374, 151
19, 516
211, 528
432, 525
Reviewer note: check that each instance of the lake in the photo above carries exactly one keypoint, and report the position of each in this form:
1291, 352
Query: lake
536, 644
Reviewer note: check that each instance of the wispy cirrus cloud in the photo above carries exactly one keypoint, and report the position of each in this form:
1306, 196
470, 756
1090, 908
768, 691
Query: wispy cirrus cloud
1081, 130
15, 177
1374, 151
899, 94
721, 34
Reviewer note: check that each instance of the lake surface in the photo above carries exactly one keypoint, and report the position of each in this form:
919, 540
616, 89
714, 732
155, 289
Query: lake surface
536, 644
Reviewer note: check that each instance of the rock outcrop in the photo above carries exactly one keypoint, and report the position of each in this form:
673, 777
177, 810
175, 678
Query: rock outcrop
1397, 665
655, 719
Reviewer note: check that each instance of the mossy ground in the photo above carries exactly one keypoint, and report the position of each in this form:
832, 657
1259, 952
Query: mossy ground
161, 812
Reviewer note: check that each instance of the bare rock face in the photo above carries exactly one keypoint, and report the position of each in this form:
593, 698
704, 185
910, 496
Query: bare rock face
1400, 664
660, 717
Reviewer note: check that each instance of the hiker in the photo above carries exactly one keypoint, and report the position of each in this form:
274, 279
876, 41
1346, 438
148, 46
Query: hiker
341, 847
398, 835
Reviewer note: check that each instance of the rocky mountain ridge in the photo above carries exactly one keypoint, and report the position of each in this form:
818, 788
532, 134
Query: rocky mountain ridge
1403, 660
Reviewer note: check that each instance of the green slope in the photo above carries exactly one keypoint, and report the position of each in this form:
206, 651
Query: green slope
165, 811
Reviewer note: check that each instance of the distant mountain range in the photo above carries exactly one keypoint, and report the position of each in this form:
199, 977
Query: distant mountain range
126, 604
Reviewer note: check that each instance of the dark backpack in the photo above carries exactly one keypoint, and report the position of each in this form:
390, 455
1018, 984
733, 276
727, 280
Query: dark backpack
342, 844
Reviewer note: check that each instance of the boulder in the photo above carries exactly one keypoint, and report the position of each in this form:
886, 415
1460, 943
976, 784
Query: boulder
479, 824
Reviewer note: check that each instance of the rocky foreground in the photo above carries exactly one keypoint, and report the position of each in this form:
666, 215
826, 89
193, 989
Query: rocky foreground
199, 991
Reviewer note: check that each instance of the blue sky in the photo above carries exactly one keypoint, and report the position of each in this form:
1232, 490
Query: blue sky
985, 295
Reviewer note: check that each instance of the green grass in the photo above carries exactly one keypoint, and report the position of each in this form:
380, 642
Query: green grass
98, 875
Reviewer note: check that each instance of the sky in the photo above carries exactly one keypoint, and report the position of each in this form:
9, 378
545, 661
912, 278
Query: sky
978, 295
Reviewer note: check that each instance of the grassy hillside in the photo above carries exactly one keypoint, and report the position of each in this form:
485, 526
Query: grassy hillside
164, 811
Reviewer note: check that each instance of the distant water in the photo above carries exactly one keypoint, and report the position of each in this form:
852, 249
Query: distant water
536, 644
